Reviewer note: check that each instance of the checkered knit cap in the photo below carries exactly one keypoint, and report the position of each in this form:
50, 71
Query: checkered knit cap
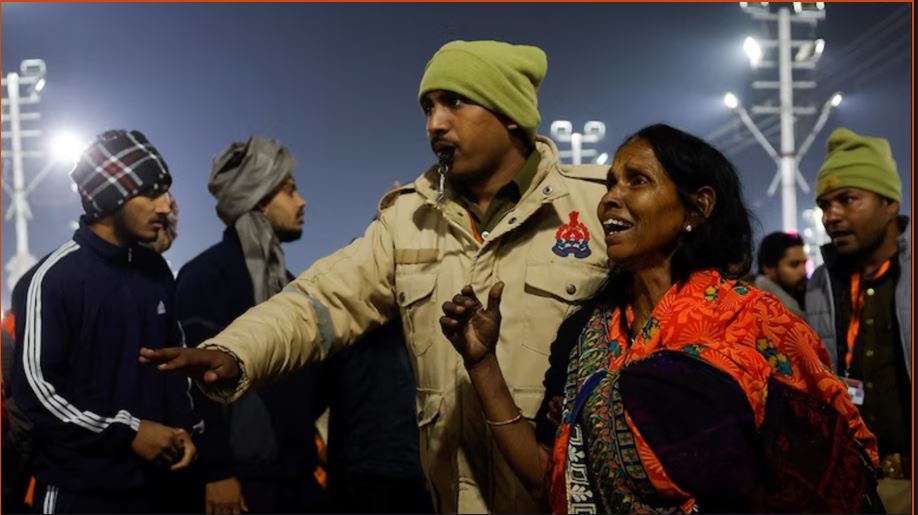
116, 167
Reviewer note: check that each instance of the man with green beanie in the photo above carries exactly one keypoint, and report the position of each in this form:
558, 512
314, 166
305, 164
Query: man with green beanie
497, 206
859, 301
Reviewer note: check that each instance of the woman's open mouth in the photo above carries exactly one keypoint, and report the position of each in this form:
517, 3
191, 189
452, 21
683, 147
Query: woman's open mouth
616, 225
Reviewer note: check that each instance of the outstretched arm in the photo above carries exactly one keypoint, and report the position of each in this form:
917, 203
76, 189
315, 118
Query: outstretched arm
331, 304
473, 331
206, 366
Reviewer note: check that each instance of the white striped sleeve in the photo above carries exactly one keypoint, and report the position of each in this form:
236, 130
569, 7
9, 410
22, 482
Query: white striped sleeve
34, 344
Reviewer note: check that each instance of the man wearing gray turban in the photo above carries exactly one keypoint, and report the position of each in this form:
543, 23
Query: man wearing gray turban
242, 178
257, 455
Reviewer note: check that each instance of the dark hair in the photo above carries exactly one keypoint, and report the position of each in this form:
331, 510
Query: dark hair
724, 240
773, 247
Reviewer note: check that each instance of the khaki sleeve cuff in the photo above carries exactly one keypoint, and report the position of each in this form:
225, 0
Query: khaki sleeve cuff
226, 392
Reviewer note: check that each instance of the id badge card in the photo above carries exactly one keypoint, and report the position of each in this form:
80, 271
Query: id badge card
855, 390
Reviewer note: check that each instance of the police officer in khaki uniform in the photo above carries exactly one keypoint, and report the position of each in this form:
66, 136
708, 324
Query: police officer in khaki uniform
506, 211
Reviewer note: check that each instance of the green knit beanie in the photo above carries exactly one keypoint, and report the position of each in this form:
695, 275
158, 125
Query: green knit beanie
498, 76
862, 162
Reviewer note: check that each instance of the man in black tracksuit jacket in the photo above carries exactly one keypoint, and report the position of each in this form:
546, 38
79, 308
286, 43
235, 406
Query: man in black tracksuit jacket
105, 427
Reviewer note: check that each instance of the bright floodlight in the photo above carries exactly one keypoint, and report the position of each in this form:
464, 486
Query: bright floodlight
731, 101
800, 7
66, 148
40, 84
753, 50
836, 99
602, 158
820, 46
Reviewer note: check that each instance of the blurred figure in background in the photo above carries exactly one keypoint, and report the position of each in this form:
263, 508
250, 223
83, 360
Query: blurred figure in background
374, 464
782, 269
167, 235
16, 451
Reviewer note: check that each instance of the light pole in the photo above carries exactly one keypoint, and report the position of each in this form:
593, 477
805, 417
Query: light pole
32, 76
808, 53
563, 132
788, 164
31, 81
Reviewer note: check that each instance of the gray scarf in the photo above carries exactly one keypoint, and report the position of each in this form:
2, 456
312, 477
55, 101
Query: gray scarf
242, 176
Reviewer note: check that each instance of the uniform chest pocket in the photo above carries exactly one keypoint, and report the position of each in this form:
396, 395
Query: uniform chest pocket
553, 292
414, 294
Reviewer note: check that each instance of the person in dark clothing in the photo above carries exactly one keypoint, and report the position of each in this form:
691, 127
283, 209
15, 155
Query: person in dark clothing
258, 454
17, 441
16, 453
373, 456
782, 269
7, 357
859, 301
105, 429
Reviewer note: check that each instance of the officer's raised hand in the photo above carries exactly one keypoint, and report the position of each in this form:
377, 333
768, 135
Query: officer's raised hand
205, 366
471, 328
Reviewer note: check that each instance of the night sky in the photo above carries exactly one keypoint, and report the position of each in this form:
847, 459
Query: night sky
337, 83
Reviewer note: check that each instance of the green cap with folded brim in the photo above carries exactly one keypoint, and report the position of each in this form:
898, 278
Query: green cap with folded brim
496, 75
862, 162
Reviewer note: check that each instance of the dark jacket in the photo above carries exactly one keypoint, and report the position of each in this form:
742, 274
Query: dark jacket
82, 315
828, 282
269, 433
372, 426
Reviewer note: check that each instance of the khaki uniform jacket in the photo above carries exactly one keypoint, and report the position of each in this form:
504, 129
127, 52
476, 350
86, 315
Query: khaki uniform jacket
411, 260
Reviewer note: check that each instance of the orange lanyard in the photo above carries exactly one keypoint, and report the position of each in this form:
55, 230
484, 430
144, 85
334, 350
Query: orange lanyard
857, 305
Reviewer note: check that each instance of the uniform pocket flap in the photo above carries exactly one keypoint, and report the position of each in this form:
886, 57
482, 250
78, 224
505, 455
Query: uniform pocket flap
415, 256
428, 406
412, 287
570, 281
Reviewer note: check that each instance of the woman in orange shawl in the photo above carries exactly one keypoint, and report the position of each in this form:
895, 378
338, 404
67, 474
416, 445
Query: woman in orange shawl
686, 389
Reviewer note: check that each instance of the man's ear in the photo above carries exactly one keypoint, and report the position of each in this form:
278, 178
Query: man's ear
891, 207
